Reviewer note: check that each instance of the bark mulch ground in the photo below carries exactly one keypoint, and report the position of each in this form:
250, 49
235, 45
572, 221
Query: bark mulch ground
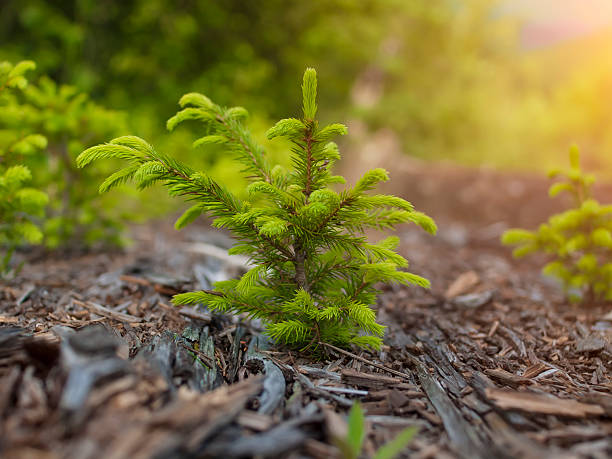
491, 362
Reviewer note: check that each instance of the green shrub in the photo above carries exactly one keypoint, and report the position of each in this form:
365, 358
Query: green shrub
578, 241
315, 274
19, 205
71, 122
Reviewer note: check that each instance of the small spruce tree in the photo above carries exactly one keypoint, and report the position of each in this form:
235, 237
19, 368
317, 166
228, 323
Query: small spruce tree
579, 240
315, 276
20, 205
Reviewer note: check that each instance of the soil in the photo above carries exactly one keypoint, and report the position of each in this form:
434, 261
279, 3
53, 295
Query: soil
490, 362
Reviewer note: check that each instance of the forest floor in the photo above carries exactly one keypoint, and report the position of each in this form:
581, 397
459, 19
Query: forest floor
491, 362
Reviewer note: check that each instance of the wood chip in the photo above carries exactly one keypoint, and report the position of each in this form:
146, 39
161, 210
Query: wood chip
462, 285
543, 404
506, 377
534, 370
590, 344
8, 320
372, 381
255, 421
106, 312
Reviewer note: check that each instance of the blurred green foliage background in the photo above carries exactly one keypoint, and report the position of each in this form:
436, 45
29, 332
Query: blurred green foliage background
452, 78
456, 80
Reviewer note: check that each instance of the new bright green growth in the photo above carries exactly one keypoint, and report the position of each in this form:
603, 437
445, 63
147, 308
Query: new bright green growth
579, 240
315, 273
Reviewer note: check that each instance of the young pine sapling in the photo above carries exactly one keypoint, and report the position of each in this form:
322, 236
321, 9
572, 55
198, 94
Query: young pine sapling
315, 276
578, 241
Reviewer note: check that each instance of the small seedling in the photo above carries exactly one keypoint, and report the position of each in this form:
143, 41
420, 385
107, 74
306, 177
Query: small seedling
315, 275
578, 241
352, 445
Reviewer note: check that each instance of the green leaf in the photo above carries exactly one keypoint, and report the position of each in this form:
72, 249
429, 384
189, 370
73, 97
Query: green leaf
397, 445
356, 428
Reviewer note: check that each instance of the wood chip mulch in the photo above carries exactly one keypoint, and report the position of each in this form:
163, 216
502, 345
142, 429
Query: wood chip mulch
491, 362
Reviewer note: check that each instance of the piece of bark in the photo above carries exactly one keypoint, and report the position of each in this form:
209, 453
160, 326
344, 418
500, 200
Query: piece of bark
182, 428
369, 380
345, 390
501, 375
8, 320
473, 300
7, 386
382, 407
397, 399
320, 450
535, 370
518, 343
574, 433
336, 427
255, 421
462, 285
212, 376
274, 382
310, 387
395, 421
107, 312
276, 442
603, 400
319, 373
590, 344
543, 404
511, 444
159, 356
235, 354
464, 439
